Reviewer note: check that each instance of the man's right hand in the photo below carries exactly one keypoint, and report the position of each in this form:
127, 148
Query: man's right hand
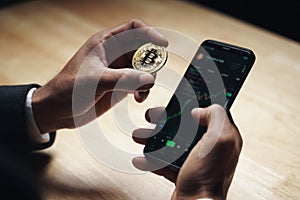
97, 77
210, 166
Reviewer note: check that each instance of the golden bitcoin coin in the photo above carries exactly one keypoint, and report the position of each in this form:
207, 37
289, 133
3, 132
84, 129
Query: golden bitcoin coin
149, 58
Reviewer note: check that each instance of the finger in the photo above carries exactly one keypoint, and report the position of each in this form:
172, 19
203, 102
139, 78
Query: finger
210, 116
231, 119
150, 34
125, 39
144, 164
239, 139
124, 80
140, 96
215, 119
154, 115
142, 32
141, 135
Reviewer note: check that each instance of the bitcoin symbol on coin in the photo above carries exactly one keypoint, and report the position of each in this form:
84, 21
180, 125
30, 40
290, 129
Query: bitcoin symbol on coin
149, 58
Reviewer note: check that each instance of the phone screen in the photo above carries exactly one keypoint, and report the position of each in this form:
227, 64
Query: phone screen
215, 75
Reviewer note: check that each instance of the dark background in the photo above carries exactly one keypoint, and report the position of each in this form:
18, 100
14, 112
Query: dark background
279, 16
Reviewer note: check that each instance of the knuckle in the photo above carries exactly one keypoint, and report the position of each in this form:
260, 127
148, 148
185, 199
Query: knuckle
231, 138
95, 41
136, 19
217, 108
227, 139
239, 140
236, 136
98, 38
68, 123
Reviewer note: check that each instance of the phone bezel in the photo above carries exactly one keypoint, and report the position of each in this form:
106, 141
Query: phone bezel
233, 48
226, 47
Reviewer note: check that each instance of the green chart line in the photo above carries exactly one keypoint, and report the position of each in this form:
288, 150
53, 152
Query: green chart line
204, 95
179, 113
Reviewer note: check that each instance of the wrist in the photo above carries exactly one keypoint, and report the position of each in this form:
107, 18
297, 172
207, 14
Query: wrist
32, 129
198, 196
44, 111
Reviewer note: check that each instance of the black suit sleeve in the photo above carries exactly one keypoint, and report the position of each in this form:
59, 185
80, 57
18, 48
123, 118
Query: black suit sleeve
13, 131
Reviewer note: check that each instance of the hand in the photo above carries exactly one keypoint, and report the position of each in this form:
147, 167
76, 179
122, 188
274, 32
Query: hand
210, 166
103, 75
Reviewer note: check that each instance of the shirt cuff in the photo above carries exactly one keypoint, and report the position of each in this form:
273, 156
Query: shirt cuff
33, 131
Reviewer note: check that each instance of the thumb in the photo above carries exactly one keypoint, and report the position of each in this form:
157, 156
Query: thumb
213, 117
128, 80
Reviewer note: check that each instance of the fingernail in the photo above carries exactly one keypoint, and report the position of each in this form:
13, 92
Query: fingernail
161, 35
146, 78
196, 110
156, 32
196, 113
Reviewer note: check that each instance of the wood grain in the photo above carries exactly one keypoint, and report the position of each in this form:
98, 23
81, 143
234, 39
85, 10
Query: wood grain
37, 38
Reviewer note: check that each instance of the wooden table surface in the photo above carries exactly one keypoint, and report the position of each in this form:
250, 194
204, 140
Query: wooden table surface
37, 39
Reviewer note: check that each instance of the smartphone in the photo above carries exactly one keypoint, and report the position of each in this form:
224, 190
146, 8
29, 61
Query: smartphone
215, 75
